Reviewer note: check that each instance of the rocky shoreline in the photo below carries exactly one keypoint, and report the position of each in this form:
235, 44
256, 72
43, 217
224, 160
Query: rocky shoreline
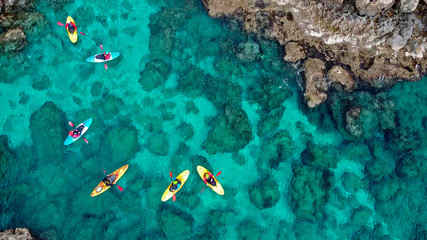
356, 43
16, 234
17, 19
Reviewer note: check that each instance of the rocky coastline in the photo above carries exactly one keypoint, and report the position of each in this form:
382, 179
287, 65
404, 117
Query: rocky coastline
16, 234
17, 20
355, 43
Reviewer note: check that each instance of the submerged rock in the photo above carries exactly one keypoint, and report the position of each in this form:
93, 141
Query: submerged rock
122, 143
13, 40
176, 224
158, 144
265, 194
231, 132
249, 230
249, 51
154, 74
16, 234
48, 131
309, 190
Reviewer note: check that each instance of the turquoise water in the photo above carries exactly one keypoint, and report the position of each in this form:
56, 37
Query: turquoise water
184, 92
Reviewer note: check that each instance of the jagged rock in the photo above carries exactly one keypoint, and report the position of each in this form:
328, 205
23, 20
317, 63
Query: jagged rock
315, 82
408, 6
338, 74
372, 7
379, 49
16, 234
294, 52
13, 40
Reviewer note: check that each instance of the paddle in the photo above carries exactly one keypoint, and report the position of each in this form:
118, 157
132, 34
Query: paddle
106, 67
173, 197
215, 176
120, 188
62, 25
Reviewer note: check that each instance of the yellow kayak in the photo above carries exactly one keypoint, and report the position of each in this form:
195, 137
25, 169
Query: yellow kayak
218, 188
183, 178
102, 187
73, 36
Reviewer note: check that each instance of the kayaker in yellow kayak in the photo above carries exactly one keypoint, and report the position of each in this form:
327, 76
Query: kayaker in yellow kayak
208, 178
109, 180
71, 27
175, 185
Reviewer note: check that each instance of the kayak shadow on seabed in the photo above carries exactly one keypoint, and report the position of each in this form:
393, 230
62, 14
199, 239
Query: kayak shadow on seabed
116, 192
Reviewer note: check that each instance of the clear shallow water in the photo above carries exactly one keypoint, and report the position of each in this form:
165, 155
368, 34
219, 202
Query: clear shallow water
184, 93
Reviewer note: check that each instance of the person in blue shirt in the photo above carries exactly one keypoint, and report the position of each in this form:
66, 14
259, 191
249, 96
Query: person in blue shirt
175, 185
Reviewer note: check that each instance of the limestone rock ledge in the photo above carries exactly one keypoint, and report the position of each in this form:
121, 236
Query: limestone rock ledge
374, 42
16, 234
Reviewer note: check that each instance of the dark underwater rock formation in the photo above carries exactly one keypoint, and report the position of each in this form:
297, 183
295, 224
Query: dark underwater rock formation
231, 131
176, 223
310, 188
122, 142
16, 234
378, 41
48, 131
265, 194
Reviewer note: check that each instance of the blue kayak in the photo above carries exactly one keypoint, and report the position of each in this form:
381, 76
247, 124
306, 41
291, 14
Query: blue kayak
86, 124
99, 58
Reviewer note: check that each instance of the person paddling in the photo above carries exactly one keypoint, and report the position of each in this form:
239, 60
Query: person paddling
106, 56
71, 27
175, 185
109, 180
76, 132
209, 179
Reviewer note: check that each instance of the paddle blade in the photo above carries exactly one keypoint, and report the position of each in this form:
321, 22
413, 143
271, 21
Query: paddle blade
86, 140
60, 24
71, 124
218, 174
202, 190
82, 33
174, 197
120, 188
104, 171
101, 47
105, 65
170, 173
